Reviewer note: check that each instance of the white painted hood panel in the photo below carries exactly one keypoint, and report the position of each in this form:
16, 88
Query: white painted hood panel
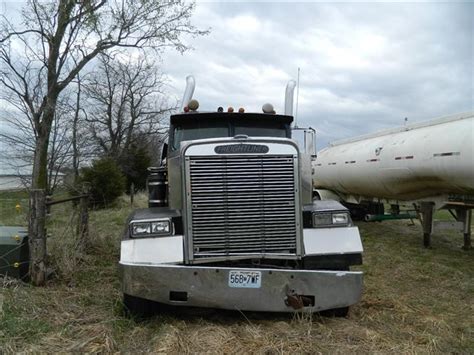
152, 250
325, 241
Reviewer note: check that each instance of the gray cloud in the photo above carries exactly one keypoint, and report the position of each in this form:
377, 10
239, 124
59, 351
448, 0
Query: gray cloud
363, 66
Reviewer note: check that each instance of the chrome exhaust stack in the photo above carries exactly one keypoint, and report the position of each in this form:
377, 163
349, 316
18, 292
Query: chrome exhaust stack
290, 89
188, 92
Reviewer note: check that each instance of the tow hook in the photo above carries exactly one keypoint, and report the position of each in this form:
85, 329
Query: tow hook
296, 301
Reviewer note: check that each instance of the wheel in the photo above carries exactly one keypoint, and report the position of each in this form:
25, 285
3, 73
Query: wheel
136, 307
335, 312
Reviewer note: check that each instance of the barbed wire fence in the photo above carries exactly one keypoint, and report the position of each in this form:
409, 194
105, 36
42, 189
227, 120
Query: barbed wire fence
13, 212
36, 212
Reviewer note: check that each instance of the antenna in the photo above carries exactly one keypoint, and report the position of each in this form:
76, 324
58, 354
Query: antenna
297, 97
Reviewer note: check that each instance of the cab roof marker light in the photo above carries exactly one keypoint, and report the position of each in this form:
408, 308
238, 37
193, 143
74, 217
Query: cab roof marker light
290, 89
230, 109
188, 92
268, 108
241, 110
193, 104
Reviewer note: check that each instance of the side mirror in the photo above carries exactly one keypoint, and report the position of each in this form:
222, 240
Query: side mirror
306, 139
310, 141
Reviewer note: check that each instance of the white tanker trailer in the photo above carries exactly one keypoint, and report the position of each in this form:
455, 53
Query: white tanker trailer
429, 165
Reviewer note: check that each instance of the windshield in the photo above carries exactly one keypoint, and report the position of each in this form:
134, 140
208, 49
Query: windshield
211, 129
192, 133
253, 131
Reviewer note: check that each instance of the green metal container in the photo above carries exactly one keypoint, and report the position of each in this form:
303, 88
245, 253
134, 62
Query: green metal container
14, 252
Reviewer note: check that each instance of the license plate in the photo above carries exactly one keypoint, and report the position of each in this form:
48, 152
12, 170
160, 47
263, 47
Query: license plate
245, 279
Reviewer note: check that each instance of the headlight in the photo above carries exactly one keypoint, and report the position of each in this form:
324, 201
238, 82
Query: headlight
322, 219
151, 228
338, 219
140, 228
160, 227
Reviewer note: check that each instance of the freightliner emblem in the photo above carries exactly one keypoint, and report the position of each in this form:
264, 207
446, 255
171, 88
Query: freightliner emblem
241, 148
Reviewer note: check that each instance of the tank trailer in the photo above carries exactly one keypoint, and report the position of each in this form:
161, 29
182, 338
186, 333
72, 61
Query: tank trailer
231, 222
425, 166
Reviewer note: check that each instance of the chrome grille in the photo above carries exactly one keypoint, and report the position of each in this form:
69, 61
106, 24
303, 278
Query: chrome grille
242, 205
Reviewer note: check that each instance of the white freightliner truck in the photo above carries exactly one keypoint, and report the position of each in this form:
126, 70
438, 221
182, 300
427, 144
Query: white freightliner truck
232, 223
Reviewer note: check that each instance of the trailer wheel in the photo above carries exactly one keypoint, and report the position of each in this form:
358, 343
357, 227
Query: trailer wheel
335, 312
136, 307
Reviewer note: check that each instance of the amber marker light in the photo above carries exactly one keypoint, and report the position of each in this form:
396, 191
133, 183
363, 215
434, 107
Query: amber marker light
193, 105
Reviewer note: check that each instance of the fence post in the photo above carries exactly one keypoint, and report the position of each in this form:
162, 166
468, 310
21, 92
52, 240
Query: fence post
132, 193
37, 237
83, 226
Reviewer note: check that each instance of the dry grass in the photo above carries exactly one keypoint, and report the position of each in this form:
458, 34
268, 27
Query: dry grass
415, 301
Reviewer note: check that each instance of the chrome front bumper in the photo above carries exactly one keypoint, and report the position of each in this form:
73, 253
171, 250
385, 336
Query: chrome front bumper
200, 286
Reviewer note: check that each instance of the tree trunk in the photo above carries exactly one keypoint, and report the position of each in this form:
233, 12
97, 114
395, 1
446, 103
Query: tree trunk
75, 150
40, 165
37, 217
83, 225
37, 237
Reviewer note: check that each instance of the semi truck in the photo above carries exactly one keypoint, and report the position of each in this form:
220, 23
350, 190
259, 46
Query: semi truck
232, 224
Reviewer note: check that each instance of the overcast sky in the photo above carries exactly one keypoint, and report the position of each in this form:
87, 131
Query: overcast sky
364, 66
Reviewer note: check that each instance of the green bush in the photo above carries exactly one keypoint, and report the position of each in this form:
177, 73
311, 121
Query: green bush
134, 164
107, 181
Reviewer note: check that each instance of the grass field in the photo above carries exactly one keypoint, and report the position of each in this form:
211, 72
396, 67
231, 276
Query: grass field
415, 300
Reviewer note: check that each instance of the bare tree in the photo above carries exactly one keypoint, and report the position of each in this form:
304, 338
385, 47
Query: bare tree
126, 103
56, 40
59, 152
20, 138
75, 129
41, 56
67, 148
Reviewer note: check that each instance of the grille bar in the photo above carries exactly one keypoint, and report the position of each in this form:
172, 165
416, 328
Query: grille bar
242, 205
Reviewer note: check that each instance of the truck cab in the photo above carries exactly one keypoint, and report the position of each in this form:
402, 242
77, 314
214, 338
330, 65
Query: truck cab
231, 223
